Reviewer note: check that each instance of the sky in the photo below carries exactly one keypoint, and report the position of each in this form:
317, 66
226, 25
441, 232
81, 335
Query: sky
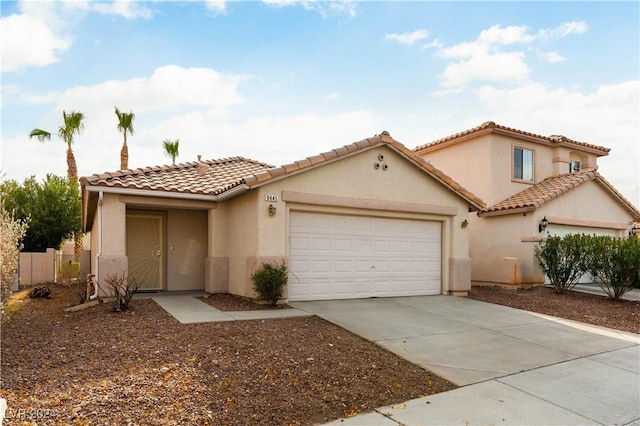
281, 80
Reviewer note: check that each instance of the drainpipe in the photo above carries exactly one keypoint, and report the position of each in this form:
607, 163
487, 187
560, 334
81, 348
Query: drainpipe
97, 275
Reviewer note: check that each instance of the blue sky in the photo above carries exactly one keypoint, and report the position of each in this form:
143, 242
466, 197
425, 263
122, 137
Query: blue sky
281, 80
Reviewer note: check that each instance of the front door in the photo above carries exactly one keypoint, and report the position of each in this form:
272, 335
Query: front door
144, 250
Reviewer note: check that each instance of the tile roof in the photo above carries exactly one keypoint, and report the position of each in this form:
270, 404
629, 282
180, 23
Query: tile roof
268, 175
208, 177
491, 127
552, 188
217, 178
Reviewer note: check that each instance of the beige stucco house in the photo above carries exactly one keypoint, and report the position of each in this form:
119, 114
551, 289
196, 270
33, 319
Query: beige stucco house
526, 178
367, 219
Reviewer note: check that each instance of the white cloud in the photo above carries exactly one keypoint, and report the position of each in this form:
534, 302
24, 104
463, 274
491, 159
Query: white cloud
497, 55
219, 6
552, 57
486, 67
28, 40
129, 9
37, 35
331, 96
563, 30
325, 8
408, 38
169, 88
505, 36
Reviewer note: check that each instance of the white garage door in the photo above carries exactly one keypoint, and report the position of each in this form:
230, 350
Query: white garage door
344, 257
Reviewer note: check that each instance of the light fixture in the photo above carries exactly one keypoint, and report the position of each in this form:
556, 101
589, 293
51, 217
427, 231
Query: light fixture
272, 210
464, 224
543, 224
634, 231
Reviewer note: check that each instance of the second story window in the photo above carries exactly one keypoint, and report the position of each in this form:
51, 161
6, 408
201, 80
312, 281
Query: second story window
523, 164
574, 166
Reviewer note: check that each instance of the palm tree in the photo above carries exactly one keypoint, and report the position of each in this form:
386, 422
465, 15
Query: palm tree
72, 125
125, 125
171, 149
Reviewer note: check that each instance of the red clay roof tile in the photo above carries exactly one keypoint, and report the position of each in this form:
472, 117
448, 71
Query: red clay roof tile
215, 176
490, 126
552, 188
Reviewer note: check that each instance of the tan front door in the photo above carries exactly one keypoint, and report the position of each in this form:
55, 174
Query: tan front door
144, 249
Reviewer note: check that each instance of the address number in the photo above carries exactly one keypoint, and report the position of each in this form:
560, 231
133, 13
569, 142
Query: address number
269, 197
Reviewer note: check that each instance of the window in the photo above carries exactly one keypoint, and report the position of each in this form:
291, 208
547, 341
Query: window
574, 166
523, 164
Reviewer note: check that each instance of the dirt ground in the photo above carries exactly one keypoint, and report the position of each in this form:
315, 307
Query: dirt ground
598, 310
142, 367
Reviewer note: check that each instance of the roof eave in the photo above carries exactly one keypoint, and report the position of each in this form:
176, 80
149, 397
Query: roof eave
504, 212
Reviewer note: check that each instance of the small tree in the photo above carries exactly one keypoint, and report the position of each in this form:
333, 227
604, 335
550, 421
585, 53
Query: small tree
52, 207
269, 281
562, 260
614, 264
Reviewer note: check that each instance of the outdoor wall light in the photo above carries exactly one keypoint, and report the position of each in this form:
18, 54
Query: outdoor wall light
543, 224
633, 232
272, 210
464, 224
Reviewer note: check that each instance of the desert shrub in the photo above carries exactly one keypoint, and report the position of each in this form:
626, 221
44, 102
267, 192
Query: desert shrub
562, 260
613, 264
12, 231
122, 289
40, 292
269, 281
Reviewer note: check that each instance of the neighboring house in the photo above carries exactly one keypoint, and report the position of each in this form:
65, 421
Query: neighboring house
525, 178
367, 219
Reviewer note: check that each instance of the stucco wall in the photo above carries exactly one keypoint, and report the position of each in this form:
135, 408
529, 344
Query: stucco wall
354, 186
502, 246
484, 165
242, 241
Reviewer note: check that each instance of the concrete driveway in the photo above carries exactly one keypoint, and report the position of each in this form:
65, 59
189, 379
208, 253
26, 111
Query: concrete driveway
514, 367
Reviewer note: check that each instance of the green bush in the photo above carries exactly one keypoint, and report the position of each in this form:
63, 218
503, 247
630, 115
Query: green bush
562, 260
613, 264
269, 281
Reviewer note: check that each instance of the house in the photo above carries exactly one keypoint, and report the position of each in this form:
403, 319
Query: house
368, 219
533, 185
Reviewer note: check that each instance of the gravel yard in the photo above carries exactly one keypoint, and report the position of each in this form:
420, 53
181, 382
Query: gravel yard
593, 309
143, 367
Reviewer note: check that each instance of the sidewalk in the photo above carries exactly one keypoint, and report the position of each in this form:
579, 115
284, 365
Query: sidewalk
189, 310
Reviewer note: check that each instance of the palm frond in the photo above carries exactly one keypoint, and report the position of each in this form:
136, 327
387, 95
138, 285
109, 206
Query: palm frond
40, 134
171, 148
125, 121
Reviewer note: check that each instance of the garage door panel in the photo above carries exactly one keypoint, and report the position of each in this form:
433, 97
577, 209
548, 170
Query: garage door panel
336, 256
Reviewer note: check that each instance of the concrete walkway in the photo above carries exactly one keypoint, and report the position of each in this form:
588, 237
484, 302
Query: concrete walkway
633, 294
514, 367
188, 310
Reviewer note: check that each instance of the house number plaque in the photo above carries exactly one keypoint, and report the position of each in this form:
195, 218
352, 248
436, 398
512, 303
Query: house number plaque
270, 197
